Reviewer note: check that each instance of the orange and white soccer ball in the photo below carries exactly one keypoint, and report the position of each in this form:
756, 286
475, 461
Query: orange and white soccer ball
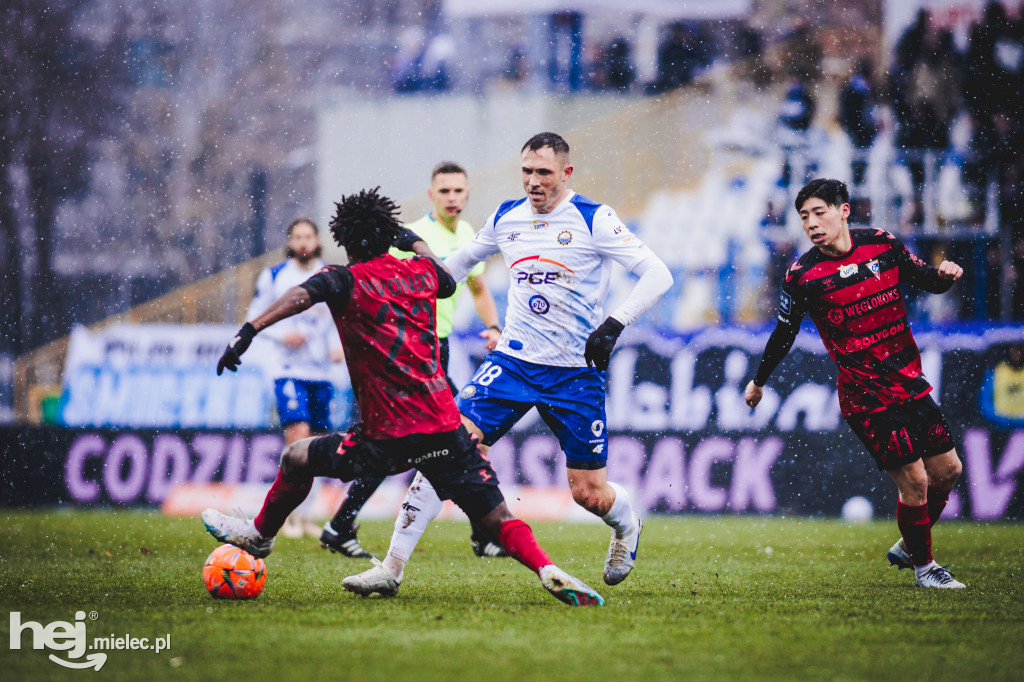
233, 573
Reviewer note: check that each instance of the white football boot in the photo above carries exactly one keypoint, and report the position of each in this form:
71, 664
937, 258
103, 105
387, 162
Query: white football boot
568, 589
378, 579
938, 576
898, 556
240, 532
622, 554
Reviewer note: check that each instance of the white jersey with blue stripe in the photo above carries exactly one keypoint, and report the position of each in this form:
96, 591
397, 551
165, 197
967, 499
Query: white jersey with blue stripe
560, 263
311, 361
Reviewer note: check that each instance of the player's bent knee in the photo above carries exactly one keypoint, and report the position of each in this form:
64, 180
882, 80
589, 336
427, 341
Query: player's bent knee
295, 457
945, 471
956, 466
498, 515
588, 498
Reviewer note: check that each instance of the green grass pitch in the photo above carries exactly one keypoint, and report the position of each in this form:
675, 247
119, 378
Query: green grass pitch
712, 598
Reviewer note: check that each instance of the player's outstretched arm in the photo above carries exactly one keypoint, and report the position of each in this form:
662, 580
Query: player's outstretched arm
777, 348
292, 302
411, 242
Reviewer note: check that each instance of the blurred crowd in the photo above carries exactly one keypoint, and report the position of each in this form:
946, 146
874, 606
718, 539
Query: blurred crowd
214, 144
945, 119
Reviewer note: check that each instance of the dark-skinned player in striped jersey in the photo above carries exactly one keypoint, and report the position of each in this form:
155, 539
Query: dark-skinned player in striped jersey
849, 284
385, 311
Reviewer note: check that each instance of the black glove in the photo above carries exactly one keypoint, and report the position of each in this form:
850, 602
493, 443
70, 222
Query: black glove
232, 357
601, 342
405, 239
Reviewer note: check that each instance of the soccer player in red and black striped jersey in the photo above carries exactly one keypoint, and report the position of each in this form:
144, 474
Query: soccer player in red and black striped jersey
385, 311
849, 285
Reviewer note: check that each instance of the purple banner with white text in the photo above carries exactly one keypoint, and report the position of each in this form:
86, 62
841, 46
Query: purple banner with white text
796, 473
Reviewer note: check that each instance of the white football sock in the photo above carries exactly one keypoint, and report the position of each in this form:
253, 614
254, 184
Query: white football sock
921, 570
420, 506
620, 517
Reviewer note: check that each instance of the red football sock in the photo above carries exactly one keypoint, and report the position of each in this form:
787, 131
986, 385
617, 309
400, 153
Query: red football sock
517, 539
284, 496
916, 530
936, 503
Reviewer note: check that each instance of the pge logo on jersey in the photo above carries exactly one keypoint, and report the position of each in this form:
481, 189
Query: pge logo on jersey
536, 277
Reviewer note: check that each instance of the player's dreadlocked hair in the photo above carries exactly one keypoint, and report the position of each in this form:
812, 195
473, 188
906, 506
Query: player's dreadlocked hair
365, 224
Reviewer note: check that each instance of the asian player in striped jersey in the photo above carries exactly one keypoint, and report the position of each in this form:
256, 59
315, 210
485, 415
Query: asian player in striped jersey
849, 285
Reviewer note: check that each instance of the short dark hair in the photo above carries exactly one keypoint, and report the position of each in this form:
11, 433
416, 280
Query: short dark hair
302, 220
832, 192
365, 224
447, 167
540, 140
299, 221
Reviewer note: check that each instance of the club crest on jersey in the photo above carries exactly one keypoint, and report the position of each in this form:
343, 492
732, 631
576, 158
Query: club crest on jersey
873, 267
848, 270
468, 392
564, 237
539, 304
539, 225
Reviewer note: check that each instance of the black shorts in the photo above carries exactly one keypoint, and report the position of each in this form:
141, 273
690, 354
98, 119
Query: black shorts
903, 433
450, 460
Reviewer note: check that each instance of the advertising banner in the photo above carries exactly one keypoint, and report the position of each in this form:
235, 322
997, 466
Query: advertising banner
796, 473
154, 376
681, 437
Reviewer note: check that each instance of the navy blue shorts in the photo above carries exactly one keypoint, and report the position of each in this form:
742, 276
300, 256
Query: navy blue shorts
903, 433
570, 401
301, 401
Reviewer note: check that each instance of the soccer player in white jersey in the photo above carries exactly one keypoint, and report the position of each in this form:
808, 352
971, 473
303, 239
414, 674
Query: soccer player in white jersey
554, 350
303, 346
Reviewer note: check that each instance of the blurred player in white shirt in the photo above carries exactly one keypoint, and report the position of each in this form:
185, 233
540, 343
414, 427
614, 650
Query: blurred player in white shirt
304, 346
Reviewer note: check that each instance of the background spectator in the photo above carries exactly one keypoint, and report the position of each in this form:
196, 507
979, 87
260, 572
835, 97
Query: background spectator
857, 100
680, 55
